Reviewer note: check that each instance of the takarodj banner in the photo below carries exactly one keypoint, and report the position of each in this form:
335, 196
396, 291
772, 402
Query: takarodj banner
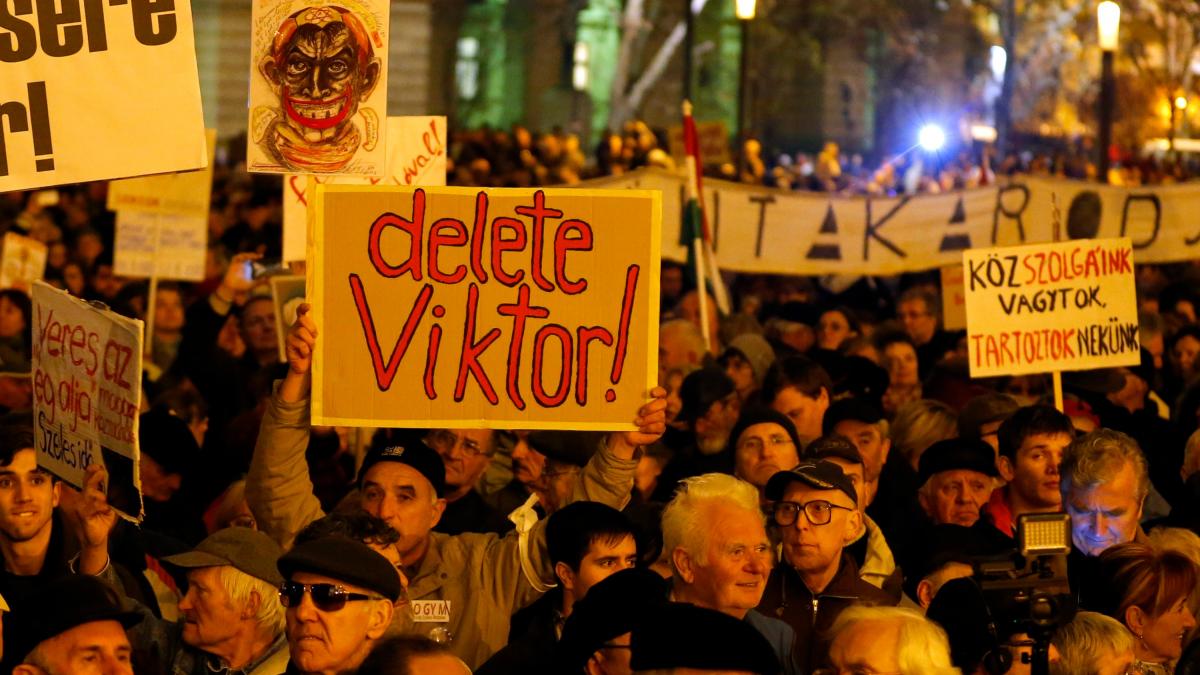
502, 308
416, 155
1048, 307
764, 230
94, 90
87, 393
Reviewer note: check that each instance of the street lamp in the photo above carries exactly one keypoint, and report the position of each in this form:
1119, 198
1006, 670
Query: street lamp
1108, 21
745, 13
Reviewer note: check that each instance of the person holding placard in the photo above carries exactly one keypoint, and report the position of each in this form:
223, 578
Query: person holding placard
466, 587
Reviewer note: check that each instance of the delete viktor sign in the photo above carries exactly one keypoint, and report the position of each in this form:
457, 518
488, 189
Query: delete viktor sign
462, 307
1051, 307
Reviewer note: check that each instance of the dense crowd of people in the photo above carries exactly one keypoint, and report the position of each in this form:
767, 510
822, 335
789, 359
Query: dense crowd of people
520, 158
816, 486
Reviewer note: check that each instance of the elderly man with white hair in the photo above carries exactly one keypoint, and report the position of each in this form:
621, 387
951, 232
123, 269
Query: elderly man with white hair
888, 640
1092, 643
714, 536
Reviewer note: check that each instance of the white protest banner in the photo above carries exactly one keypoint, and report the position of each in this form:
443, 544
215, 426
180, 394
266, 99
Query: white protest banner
23, 261
95, 90
1051, 307
416, 156
87, 392
161, 245
764, 230
312, 109
185, 192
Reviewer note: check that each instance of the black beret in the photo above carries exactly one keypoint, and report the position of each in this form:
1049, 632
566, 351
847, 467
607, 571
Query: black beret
679, 635
344, 560
957, 453
68, 602
568, 447
612, 607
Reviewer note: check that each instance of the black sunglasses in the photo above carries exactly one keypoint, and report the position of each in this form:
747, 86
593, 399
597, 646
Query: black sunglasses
326, 597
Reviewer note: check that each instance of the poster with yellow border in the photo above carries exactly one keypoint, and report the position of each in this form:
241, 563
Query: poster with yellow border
484, 308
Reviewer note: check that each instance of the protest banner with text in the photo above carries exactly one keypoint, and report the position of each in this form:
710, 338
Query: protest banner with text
416, 156
161, 245
95, 90
87, 377
484, 308
22, 261
765, 230
1051, 307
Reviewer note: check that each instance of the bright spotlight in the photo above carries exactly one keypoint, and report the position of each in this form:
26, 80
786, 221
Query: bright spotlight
931, 138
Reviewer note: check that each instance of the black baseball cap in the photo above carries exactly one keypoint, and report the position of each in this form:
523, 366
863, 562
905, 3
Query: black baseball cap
821, 475
414, 453
700, 389
833, 446
758, 414
957, 453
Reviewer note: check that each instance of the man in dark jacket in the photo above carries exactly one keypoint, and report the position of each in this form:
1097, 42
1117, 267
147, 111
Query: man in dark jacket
816, 508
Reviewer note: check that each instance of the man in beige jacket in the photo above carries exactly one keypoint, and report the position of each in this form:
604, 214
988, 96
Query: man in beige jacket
464, 588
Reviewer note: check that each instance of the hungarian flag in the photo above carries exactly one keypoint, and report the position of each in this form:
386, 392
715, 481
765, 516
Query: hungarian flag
702, 262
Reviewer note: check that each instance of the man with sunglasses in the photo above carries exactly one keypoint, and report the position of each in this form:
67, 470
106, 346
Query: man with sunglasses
339, 596
464, 588
815, 506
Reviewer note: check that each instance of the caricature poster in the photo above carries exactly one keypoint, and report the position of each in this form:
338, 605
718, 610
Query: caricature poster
318, 87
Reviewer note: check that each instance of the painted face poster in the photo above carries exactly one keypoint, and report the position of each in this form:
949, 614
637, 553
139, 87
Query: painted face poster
288, 292
22, 261
87, 367
416, 156
186, 192
163, 245
484, 308
1051, 307
318, 86
95, 90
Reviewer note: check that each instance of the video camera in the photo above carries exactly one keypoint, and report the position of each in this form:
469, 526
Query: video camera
1027, 591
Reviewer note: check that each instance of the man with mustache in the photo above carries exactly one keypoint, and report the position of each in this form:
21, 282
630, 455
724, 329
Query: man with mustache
463, 588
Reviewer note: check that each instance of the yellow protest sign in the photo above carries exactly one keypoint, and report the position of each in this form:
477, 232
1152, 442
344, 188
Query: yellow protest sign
1051, 307
502, 308
184, 193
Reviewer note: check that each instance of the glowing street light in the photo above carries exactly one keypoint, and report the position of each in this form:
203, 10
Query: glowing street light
1108, 24
745, 9
931, 138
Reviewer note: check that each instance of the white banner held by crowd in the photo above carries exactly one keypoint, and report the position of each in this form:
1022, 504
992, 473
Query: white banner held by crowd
416, 156
162, 245
96, 90
1051, 307
87, 368
764, 230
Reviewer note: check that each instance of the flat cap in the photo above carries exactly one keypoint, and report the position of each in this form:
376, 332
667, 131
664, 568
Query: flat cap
344, 560
244, 549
